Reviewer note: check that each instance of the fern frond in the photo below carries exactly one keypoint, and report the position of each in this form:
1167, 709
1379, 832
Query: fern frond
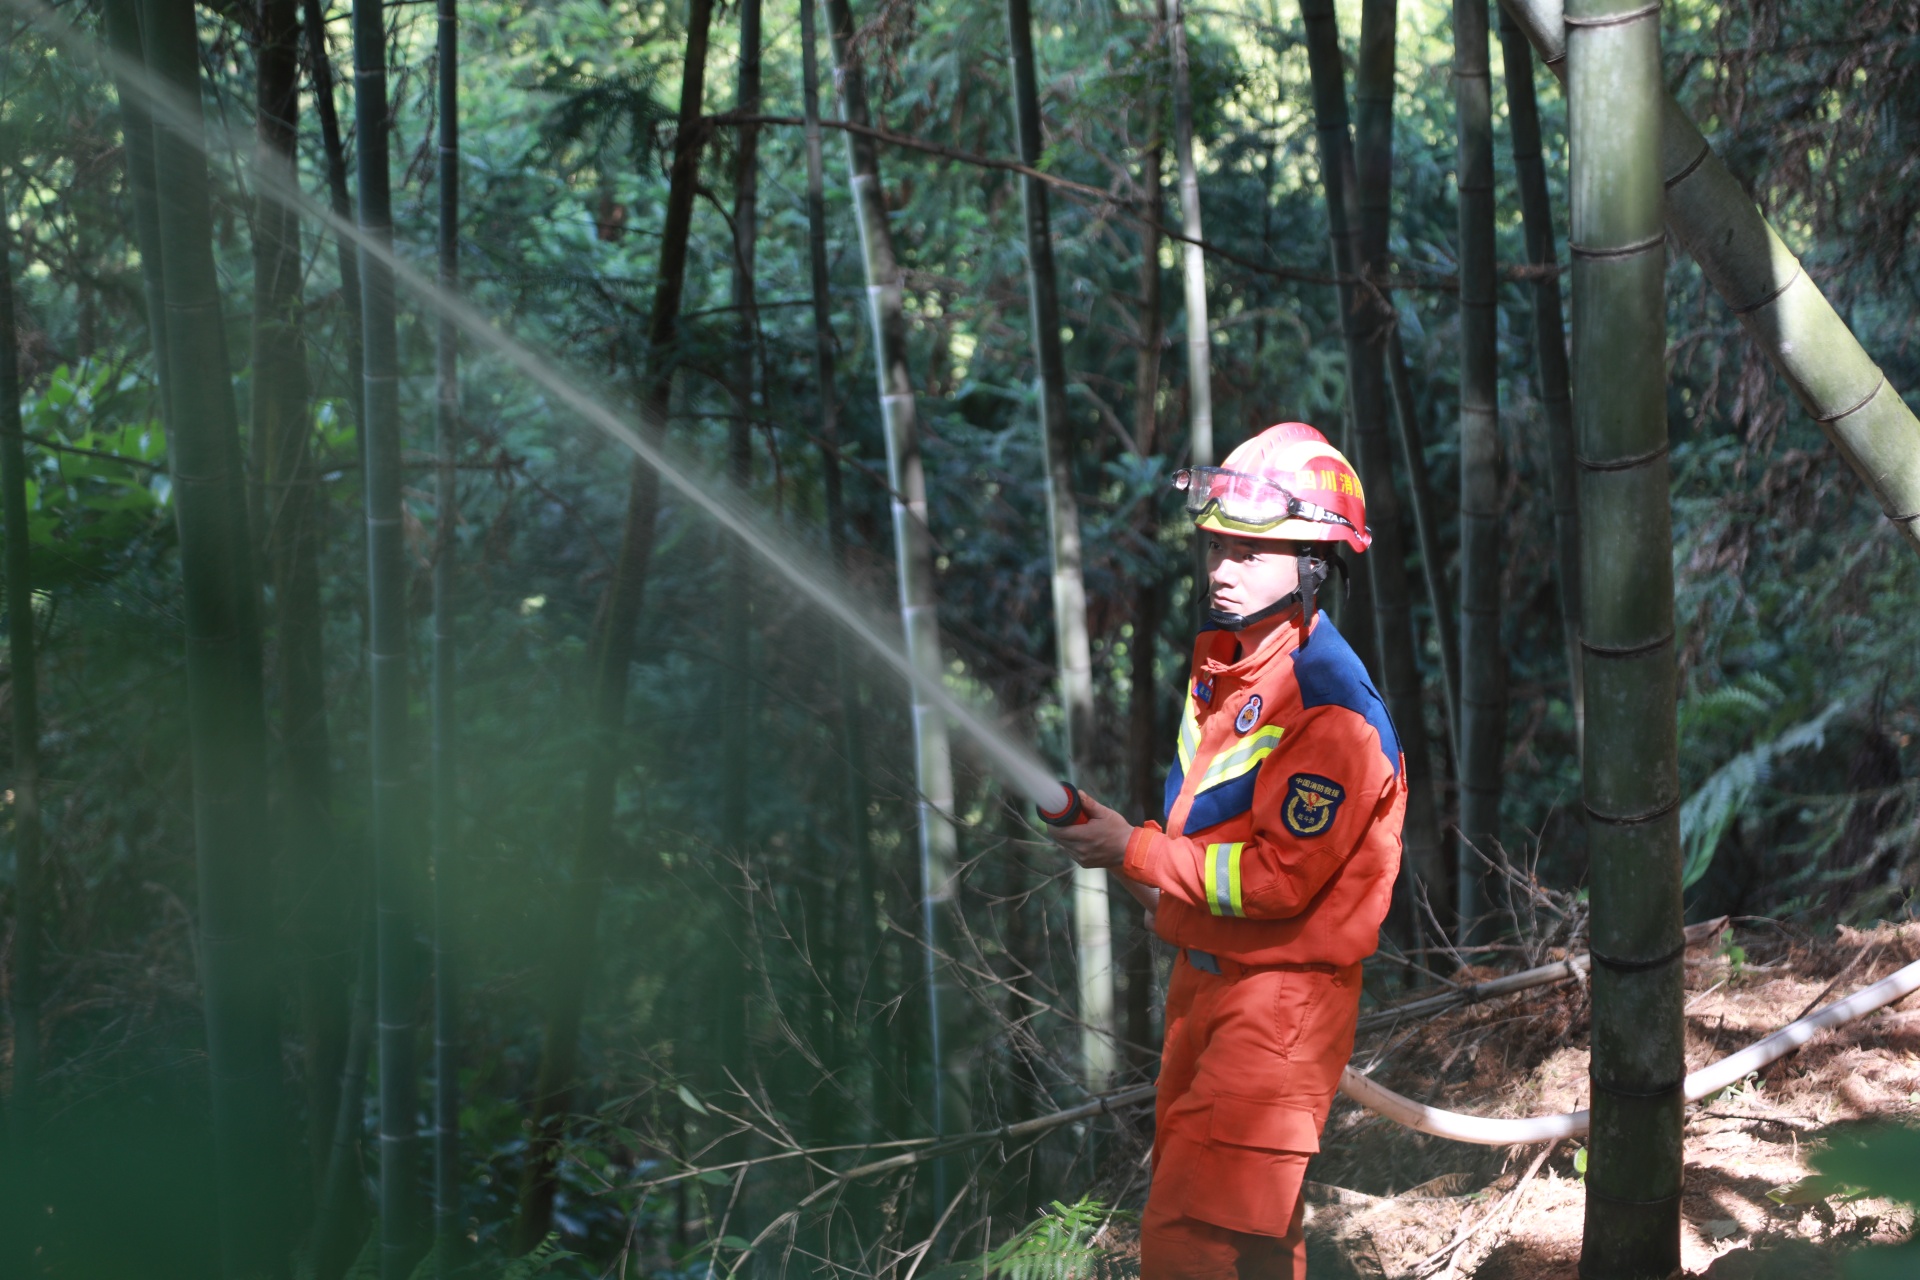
1708, 812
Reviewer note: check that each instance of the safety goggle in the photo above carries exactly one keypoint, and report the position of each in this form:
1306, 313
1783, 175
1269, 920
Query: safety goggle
1249, 502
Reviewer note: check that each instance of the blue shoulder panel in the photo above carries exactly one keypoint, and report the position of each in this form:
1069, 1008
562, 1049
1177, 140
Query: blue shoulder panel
1330, 675
1217, 804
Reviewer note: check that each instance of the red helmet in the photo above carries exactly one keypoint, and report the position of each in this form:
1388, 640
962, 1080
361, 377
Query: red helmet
1287, 484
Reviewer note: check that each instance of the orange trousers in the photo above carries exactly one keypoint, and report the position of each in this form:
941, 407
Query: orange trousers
1251, 1062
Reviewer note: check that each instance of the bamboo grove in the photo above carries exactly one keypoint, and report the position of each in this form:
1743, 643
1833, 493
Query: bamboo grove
433, 838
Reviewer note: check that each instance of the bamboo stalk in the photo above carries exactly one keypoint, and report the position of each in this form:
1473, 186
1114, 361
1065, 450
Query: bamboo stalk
1357, 219
1092, 924
609, 660
288, 520
1193, 279
1776, 301
29, 880
1413, 455
333, 148
1144, 740
226, 710
447, 1235
1549, 345
862, 886
391, 820
1193, 263
1483, 659
913, 549
735, 605
123, 37
1631, 783
339, 1200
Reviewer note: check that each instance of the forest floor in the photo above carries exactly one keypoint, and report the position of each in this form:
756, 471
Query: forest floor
1385, 1203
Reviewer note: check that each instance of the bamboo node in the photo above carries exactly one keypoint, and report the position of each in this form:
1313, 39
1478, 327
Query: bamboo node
1625, 651
1855, 408
1617, 1091
1619, 251
1624, 464
1641, 966
1687, 170
1635, 819
1615, 19
1752, 307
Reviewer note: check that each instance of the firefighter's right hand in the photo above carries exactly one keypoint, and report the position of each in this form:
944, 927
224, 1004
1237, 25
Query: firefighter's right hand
1100, 841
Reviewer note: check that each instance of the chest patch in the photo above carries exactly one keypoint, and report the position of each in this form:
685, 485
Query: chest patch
1249, 715
1311, 804
1203, 690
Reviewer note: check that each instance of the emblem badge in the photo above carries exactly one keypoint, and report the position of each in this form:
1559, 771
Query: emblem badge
1312, 802
1249, 715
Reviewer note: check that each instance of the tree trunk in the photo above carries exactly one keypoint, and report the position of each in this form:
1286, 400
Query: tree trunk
735, 699
609, 657
392, 816
1631, 781
225, 702
447, 1236
1092, 922
1366, 322
1413, 455
1483, 672
29, 882
123, 36
338, 1219
1193, 263
855, 1034
1778, 303
321, 884
736, 619
1149, 598
320, 66
1549, 345
913, 554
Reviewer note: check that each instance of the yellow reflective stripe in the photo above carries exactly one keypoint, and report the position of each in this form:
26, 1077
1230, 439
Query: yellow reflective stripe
1233, 761
1222, 876
1189, 737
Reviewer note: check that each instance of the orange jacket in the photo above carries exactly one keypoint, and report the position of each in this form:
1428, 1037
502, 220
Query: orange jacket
1284, 805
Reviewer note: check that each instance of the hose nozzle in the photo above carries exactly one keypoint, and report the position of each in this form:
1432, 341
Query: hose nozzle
1070, 812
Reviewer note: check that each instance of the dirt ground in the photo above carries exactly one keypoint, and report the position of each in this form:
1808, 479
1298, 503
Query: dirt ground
1385, 1203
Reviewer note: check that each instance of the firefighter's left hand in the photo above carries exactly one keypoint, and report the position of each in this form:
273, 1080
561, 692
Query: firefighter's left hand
1100, 841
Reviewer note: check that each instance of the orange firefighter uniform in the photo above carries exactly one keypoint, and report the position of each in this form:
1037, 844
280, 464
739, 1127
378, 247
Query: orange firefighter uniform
1276, 866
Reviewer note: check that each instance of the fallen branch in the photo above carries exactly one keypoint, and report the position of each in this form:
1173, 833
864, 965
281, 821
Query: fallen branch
1559, 971
1502, 1211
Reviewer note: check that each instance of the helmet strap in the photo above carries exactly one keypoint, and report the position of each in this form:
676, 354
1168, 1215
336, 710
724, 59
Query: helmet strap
1241, 621
1313, 570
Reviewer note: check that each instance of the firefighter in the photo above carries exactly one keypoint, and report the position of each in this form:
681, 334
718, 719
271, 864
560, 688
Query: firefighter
1274, 867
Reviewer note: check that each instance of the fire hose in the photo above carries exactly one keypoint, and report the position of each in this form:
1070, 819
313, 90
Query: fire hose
1489, 1131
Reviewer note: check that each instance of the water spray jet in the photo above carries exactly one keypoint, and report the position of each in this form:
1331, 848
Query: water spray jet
1012, 762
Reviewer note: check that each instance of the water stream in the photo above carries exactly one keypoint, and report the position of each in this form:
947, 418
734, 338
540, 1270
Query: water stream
1009, 759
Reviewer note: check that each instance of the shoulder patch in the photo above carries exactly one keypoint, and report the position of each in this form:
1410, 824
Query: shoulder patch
1330, 675
1311, 805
